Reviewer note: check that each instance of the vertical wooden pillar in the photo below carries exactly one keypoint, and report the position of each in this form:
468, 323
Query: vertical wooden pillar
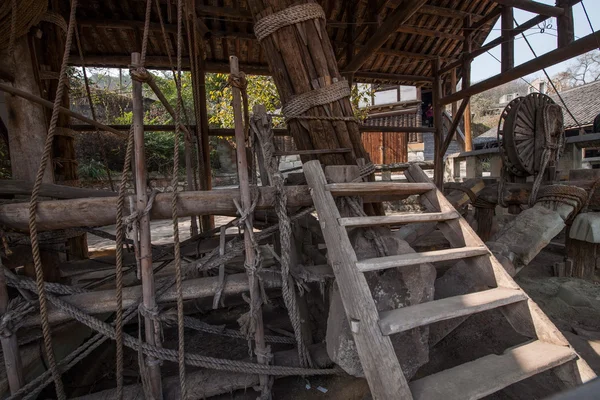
202, 129
246, 203
152, 332
508, 44
26, 121
453, 83
438, 158
565, 24
10, 345
466, 79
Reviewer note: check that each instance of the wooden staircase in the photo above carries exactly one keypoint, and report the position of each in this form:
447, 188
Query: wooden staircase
547, 350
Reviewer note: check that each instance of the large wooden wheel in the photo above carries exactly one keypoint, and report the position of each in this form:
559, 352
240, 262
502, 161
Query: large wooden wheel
521, 139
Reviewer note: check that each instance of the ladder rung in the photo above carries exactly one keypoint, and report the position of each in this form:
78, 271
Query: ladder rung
489, 374
378, 188
398, 219
406, 318
375, 264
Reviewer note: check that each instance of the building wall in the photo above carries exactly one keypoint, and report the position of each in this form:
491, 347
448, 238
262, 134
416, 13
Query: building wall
386, 147
429, 147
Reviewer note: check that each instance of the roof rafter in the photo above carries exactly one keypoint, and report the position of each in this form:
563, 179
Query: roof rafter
399, 16
533, 6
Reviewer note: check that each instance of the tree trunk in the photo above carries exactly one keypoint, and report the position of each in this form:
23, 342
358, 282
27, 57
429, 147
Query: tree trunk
302, 59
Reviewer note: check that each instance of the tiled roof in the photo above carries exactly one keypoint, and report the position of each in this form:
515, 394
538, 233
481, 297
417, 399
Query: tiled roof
583, 101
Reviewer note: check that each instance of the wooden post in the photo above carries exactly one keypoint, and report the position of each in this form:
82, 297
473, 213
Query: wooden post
148, 290
508, 44
246, 202
203, 133
10, 345
466, 79
565, 24
438, 158
453, 84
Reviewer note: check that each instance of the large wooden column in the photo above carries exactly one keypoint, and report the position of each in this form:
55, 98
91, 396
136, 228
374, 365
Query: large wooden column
508, 44
26, 121
302, 59
565, 24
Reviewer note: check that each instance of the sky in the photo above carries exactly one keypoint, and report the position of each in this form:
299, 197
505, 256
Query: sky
486, 66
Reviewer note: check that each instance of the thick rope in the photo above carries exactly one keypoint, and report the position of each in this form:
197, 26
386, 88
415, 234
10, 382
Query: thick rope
120, 232
272, 23
301, 103
16, 18
573, 196
39, 271
262, 127
174, 183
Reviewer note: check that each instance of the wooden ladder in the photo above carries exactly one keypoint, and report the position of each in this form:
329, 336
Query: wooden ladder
548, 348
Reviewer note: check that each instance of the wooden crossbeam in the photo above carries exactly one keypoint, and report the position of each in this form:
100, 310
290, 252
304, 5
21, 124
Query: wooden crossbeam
533, 6
428, 32
455, 121
399, 16
583, 45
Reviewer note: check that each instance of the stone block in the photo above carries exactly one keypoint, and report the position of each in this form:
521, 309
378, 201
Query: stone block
586, 228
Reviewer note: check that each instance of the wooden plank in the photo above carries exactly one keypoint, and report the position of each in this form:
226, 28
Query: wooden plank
491, 373
365, 188
406, 318
397, 219
405, 260
377, 356
429, 32
17, 187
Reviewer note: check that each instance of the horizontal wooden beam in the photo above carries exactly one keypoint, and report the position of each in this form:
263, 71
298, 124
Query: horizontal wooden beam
17, 187
382, 76
533, 22
429, 32
397, 129
533, 6
578, 47
448, 12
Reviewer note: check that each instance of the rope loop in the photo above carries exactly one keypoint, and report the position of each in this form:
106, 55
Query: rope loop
238, 80
140, 74
573, 196
136, 216
270, 24
14, 317
301, 103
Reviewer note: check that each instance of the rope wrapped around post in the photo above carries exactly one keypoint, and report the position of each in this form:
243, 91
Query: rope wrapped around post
301, 103
272, 23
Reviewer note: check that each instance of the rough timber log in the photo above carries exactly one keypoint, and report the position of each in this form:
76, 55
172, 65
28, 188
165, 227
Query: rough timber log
301, 58
103, 301
77, 213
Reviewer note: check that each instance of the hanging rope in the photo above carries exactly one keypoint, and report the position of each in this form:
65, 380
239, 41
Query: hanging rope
37, 261
263, 129
174, 183
16, 18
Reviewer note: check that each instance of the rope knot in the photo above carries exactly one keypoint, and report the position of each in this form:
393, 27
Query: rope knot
136, 216
13, 318
238, 80
150, 313
140, 74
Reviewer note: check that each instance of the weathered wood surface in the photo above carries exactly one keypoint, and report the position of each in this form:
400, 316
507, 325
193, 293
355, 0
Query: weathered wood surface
105, 301
377, 356
397, 219
63, 214
301, 58
19, 187
26, 121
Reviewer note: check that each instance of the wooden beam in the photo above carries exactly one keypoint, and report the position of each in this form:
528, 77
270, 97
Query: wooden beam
399, 16
428, 32
565, 24
381, 76
447, 12
533, 6
17, 187
455, 121
466, 80
578, 47
498, 41
508, 45
438, 158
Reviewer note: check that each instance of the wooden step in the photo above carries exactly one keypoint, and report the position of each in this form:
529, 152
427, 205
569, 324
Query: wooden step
406, 318
489, 374
398, 219
375, 264
378, 188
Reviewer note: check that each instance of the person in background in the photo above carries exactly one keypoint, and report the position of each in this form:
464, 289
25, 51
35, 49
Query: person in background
429, 115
